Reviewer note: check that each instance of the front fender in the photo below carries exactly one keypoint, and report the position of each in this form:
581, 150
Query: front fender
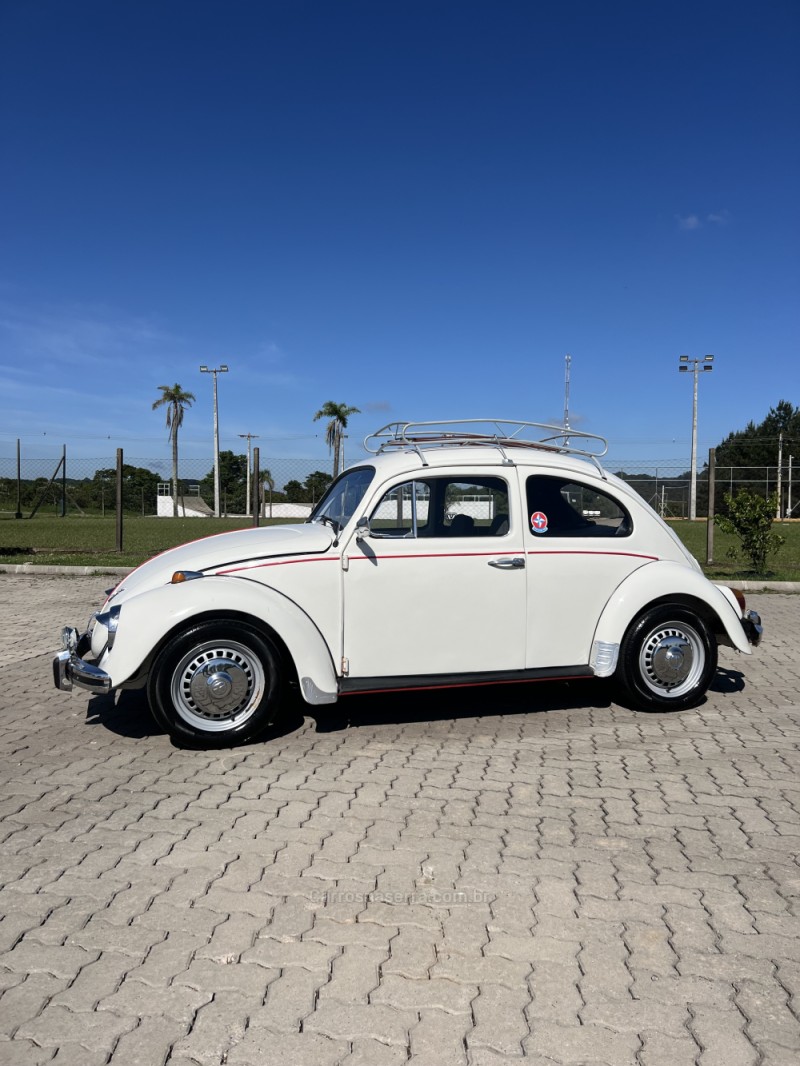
147, 619
661, 580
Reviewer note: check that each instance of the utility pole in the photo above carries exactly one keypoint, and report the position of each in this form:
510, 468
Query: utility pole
683, 365
780, 472
249, 437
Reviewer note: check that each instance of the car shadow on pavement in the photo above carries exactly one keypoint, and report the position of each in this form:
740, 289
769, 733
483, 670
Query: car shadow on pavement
127, 714
727, 681
485, 701
124, 713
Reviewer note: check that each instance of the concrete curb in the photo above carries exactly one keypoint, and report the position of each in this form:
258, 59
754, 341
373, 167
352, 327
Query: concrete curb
762, 586
63, 571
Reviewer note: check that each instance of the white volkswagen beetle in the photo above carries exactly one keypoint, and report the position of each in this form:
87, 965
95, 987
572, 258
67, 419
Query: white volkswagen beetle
459, 553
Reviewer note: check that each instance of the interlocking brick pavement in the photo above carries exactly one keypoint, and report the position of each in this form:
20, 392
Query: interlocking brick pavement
471, 878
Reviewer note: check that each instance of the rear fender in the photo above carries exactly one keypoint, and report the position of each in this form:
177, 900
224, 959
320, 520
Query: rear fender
148, 620
662, 582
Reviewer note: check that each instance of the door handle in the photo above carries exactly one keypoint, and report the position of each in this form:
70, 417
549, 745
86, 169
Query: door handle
516, 563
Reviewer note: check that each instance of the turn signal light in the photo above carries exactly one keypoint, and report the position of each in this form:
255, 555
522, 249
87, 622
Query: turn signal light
740, 599
184, 575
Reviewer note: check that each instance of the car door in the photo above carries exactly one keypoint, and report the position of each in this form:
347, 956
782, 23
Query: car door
437, 587
579, 546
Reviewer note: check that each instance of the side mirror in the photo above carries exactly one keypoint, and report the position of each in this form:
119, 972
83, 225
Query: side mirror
362, 528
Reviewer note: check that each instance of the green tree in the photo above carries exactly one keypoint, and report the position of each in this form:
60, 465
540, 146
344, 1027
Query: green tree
747, 458
750, 518
139, 485
338, 415
316, 484
232, 481
176, 401
295, 493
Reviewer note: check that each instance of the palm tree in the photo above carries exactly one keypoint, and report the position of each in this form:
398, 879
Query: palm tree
176, 401
338, 413
268, 481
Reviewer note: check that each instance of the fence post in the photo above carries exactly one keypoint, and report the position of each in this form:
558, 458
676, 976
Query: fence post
119, 500
63, 481
712, 463
19, 483
256, 488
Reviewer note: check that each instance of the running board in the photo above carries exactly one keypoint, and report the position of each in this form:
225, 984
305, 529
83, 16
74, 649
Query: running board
351, 686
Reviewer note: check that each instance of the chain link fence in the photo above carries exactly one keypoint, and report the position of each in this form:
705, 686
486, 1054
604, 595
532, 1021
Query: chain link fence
59, 484
666, 486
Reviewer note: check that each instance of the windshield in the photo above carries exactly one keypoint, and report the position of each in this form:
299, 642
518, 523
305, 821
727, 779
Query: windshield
343, 496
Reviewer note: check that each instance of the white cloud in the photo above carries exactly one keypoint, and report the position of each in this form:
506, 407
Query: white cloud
688, 222
714, 218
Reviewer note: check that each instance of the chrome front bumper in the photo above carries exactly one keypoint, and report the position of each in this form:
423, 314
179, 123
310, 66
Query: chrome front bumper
70, 670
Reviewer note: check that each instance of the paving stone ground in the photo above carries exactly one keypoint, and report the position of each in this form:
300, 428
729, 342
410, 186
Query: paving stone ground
473, 878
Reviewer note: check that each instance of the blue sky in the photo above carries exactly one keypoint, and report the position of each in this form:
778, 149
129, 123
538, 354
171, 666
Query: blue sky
416, 208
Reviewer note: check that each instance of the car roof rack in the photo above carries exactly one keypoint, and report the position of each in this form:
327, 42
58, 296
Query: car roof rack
500, 433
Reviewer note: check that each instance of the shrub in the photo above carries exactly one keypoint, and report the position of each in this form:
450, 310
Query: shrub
750, 518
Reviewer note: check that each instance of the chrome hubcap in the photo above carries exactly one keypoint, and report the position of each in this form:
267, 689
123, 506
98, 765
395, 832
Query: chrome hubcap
218, 686
672, 659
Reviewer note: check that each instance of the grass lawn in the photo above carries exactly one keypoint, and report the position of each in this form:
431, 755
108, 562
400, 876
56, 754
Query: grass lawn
783, 566
80, 541
86, 541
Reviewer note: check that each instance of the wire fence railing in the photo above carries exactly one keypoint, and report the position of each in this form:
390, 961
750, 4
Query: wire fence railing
61, 484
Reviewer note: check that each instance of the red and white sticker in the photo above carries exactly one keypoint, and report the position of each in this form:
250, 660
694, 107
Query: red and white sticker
539, 522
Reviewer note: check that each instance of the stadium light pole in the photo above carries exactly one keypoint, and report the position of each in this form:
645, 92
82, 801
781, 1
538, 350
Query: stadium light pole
221, 369
696, 365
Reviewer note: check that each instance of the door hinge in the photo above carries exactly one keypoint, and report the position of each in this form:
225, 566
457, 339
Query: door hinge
345, 562
345, 666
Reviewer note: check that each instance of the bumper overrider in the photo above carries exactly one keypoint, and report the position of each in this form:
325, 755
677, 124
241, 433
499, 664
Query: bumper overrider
751, 623
71, 670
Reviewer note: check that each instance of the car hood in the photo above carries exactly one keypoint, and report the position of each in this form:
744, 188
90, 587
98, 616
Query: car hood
221, 551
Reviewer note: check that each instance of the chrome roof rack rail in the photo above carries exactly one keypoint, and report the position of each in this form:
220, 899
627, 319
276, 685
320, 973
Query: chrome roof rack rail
500, 433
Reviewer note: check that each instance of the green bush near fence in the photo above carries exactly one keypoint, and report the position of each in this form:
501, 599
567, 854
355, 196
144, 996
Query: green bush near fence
91, 541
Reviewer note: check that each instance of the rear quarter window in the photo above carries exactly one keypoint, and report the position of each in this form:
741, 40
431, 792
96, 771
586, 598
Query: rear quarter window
559, 507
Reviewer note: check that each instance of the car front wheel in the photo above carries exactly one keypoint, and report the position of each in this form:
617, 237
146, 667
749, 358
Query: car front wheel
216, 685
667, 660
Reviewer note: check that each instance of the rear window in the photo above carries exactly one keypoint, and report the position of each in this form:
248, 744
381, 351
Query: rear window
558, 507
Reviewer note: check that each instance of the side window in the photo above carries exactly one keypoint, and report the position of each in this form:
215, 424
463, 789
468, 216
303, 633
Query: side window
558, 507
443, 507
403, 511
470, 507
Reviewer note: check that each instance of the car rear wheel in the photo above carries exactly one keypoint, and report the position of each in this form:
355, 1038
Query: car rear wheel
216, 685
667, 660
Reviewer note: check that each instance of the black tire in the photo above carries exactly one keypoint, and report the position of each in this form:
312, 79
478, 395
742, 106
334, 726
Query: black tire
216, 685
667, 660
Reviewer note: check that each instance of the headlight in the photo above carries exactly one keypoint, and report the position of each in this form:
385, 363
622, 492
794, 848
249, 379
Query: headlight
110, 619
